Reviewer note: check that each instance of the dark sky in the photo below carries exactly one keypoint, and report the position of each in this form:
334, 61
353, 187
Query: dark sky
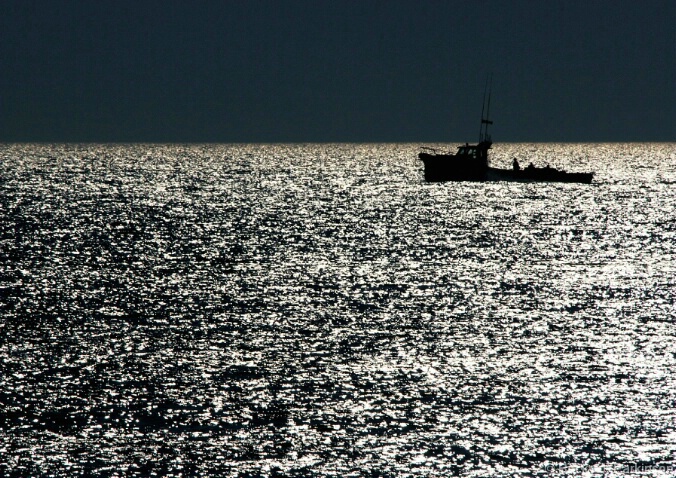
316, 70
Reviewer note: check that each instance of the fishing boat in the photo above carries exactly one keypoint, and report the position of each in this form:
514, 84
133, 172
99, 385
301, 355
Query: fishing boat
470, 162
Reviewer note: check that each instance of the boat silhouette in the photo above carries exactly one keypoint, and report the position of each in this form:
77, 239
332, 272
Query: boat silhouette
471, 163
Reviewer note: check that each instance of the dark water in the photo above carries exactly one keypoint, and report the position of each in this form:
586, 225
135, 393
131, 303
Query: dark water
317, 310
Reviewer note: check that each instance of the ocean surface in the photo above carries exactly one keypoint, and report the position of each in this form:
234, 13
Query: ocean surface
319, 310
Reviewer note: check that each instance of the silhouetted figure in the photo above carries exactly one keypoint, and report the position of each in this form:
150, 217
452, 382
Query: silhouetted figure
531, 166
515, 165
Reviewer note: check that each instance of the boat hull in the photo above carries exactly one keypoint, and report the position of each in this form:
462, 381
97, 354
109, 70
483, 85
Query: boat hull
549, 175
445, 167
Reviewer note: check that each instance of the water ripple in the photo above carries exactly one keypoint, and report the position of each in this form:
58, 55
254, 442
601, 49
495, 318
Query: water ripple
294, 310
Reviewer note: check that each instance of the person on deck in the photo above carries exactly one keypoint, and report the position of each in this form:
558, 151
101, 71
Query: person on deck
515, 165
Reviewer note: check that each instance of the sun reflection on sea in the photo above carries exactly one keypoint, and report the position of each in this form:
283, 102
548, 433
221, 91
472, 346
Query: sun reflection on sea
319, 310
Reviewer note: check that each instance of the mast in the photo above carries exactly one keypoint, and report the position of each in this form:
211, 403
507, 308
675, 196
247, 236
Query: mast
483, 105
483, 130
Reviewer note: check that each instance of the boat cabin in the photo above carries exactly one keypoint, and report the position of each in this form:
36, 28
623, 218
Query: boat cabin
468, 152
474, 152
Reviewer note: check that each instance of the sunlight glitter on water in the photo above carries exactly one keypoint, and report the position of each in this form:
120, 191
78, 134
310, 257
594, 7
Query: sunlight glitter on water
318, 309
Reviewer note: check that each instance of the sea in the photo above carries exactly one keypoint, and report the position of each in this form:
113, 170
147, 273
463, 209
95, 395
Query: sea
293, 310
